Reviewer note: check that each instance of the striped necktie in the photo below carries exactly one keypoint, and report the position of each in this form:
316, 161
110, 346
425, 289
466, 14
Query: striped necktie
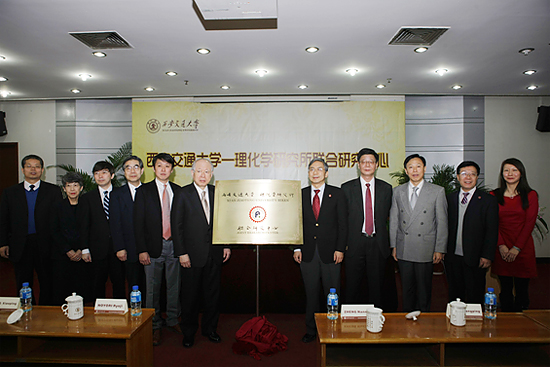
106, 203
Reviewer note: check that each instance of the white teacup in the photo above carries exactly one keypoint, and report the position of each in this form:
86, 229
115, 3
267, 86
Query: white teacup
375, 319
74, 308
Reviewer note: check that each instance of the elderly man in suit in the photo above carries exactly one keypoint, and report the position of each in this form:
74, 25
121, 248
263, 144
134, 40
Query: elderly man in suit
473, 236
95, 234
369, 201
122, 224
324, 213
154, 244
25, 235
418, 233
201, 262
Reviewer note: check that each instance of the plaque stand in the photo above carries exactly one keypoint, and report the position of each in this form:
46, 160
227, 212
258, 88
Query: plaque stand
257, 280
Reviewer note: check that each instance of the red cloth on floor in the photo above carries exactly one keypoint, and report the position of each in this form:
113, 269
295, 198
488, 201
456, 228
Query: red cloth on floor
258, 336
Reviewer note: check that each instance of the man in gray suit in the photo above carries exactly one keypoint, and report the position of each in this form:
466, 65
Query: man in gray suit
418, 233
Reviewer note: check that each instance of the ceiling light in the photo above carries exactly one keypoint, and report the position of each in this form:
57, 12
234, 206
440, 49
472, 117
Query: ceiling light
380, 86
420, 50
312, 49
456, 87
225, 87
99, 54
526, 51
75, 91
5, 93
302, 86
84, 77
441, 72
261, 72
203, 51
352, 72
3, 79
149, 89
529, 72
171, 73
532, 87
2, 57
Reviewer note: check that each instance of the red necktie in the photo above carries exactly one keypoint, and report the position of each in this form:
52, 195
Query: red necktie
465, 198
369, 223
166, 231
316, 204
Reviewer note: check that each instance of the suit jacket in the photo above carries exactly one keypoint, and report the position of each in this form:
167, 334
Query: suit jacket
190, 230
356, 214
95, 232
418, 233
329, 232
479, 228
14, 218
65, 229
121, 220
148, 218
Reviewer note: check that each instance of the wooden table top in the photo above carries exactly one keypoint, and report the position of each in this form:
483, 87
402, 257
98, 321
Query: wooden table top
433, 328
50, 321
541, 316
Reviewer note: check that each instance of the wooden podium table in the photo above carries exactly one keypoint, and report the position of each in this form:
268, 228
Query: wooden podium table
433, 330
46, 335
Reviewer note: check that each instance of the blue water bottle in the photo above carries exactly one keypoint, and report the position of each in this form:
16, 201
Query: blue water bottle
332, 305
26, 297
490, 304
135, 301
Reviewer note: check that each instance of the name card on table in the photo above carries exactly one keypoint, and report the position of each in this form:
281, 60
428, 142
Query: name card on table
114, 306
9, 303
354, 311
474, 311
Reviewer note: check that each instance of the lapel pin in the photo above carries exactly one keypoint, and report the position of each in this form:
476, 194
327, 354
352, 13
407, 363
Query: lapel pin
329, 195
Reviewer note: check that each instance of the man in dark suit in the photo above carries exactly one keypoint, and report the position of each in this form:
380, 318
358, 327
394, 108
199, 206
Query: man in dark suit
201, 261
122, 224
473, 236
25, 236
369, 201
154, 244
95, 234
324, 219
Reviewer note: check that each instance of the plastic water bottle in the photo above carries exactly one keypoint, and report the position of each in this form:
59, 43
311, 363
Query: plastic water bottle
490, 304
332, 305
135, 301
26, 297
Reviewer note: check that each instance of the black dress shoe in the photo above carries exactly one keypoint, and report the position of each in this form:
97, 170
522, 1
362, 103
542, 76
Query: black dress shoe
308, 338
188, 342
213, 337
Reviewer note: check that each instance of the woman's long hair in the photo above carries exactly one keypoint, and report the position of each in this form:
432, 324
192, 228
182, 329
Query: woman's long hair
523, 187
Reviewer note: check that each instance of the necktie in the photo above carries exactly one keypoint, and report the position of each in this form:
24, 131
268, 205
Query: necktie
414, 197
106, 203
166, 230
31, 187
465, 198
369, 222
316, 204
205, 206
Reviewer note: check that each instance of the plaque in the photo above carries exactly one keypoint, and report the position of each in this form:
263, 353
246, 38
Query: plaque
257, 212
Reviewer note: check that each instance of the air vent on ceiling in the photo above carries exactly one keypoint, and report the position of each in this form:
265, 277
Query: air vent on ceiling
101, 40
418, 36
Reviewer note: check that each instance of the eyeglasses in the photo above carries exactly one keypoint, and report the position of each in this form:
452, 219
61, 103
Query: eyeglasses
132, 168
206, 171
468, 174
319, 169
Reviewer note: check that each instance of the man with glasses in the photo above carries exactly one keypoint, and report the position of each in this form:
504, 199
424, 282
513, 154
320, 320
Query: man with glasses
473, 236
324, 220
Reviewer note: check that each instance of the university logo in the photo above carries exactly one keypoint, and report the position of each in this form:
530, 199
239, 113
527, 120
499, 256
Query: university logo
153, 126
257, 214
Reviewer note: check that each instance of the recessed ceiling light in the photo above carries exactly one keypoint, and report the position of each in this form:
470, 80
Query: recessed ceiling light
526, 51
203, 51
261, 72
441, 72
420, 50
5, 93
529, 72
380, 86
532, 87
171, 73
302, 86
84, 77
149, 89
75, 91
456, 87
3, 79
225, 87
99, 54
2, 57
352, 72
312, 49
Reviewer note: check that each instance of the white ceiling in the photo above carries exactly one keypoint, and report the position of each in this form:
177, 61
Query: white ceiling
480, 49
